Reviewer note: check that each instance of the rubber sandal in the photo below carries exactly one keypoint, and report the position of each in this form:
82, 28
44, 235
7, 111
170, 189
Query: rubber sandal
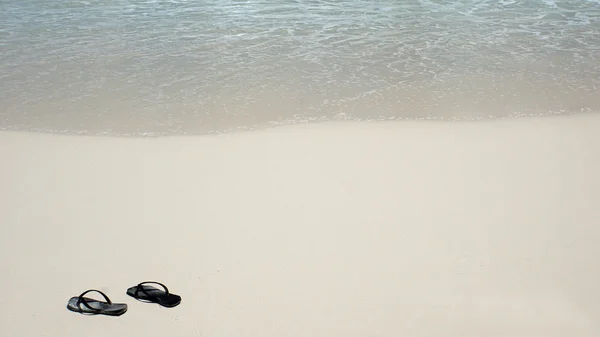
149, 294
90, 306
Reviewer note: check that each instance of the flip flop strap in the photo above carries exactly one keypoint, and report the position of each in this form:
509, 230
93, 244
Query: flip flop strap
82, 300
141, 288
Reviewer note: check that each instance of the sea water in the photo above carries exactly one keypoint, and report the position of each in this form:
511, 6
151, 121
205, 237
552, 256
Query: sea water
152, 67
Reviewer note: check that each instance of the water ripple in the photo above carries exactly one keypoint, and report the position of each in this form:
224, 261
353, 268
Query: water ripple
162, 67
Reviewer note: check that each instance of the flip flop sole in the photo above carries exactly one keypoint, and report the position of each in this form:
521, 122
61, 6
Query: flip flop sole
98, 308
153, 295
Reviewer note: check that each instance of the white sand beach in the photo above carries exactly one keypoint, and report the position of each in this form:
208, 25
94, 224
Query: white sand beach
409, 228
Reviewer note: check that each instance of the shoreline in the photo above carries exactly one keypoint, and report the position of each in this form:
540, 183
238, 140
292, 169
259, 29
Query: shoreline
269, 126
326, 229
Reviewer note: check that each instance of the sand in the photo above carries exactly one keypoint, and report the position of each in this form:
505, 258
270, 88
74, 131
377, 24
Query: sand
335, 229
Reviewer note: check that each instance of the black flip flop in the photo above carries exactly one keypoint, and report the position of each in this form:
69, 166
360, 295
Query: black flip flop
90, 306
150, 294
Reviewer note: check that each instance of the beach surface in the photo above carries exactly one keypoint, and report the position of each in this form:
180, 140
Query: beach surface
410, 228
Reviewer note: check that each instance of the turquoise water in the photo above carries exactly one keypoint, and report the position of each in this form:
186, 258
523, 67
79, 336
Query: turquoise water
186, 67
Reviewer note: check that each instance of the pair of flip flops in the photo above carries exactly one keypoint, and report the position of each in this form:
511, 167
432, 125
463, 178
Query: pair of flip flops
142, 292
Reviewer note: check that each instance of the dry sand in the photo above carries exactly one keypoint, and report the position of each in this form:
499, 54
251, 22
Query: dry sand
339, 229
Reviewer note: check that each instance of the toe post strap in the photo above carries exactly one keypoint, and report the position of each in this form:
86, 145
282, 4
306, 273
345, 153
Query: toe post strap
140, 287
82, 299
